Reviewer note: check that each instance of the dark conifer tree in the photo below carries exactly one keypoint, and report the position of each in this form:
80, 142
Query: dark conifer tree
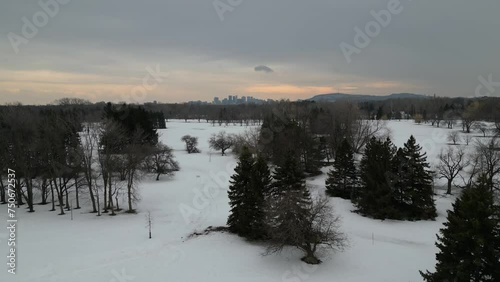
260, 186
342, 178
398, 179
290, 200
375, 197
418, 182
239, 191
469, 244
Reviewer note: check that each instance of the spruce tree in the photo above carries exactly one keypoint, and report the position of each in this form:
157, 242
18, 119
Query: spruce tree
375, 197
398, 178
260, 185
469, 244
239, 192
290, 200
418, 182
342, 178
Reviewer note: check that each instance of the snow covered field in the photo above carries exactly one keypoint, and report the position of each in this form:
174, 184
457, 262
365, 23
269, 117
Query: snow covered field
117, 249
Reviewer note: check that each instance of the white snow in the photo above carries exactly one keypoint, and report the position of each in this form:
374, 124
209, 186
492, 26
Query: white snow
117, 249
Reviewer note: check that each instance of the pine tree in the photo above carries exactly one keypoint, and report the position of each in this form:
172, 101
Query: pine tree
469, 244
239, 191
290, 200
418, 182
375, 195
342, 178
260, 186
398, 178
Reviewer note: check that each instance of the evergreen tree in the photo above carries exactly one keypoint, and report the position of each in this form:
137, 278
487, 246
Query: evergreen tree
290, 200
418, 182
281, 135
342, 179
375, 195
398, 179
311, 152
469, 244
239, 220
260, 186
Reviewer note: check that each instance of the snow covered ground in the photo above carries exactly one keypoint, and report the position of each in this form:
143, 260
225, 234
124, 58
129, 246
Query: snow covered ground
117, 249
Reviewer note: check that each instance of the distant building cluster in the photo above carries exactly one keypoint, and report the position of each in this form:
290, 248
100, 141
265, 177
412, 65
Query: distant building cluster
233, 100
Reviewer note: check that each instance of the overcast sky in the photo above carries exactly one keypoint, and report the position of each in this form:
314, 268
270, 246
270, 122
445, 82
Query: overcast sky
101, 50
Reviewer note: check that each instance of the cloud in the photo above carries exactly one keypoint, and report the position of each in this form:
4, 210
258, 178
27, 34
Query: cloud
265, 69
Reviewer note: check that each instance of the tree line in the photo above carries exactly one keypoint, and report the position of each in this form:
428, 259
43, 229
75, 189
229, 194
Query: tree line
60, 156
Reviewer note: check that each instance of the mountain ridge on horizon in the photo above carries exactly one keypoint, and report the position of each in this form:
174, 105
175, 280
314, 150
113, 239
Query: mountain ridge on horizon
332, 97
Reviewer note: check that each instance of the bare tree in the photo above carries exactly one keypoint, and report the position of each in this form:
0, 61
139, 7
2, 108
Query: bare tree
320, 229
488, 161
111, 135
363, 130
468, 138
161, 161
469, 117
221, 142
483, 127
437, 119
89, 145
454, 137
418, 118
249, 138
451, 163
191, 143
134, 155
72, 102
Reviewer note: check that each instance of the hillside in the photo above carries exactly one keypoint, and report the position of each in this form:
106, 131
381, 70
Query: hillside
364, 97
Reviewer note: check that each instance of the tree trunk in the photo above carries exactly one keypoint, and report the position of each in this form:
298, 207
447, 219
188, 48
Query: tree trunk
110, 197
158, 177
105, 193
2, 192
116, 201
310, 258
44, 192
77, 196
449, 187
91, 194
98, 202
129, 191
60, 196
29, 187
19, 193
52, 194
67, 196
111, 207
